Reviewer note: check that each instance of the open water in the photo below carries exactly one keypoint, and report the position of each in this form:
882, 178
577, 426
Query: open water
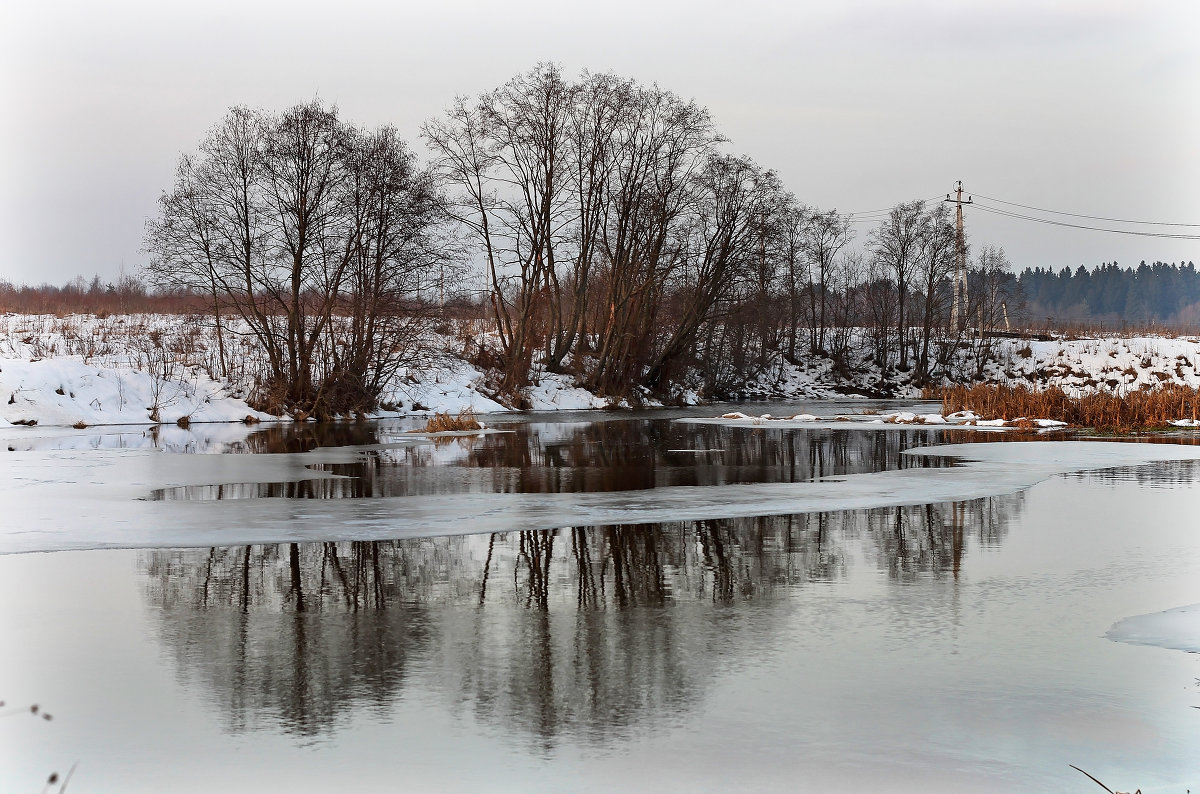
932, 647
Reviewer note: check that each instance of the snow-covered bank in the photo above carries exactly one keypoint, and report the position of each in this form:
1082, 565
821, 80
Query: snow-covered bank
108, 493
1076, 365
88, 370
1080, 366
66, 391
84, 369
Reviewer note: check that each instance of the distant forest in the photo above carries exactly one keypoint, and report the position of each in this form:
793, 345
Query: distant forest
1158, 293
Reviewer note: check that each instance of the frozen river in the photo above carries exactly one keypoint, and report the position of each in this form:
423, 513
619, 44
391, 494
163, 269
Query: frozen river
595, 602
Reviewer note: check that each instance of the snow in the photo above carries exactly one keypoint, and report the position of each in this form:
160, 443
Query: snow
554, 392
1177, 628
894, 420
100, 499
1085, 365
449, 386
101, 368
64, 391
1077, 365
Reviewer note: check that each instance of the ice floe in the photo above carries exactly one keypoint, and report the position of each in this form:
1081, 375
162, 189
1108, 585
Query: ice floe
1177, 628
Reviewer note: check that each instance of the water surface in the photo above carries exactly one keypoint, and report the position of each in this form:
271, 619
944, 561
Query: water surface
943, 647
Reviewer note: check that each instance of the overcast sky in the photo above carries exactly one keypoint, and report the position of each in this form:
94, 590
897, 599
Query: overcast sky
1084, 106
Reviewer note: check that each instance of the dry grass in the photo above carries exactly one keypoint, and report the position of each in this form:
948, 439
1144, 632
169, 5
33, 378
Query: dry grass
1150, 407
446, 423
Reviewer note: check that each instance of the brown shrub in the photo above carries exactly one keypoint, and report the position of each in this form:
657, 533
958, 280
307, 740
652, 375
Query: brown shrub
1145, 408
445, 423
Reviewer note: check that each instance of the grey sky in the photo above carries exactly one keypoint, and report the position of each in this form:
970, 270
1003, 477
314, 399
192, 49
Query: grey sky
1085, 106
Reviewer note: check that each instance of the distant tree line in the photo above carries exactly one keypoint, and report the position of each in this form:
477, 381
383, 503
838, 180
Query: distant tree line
125, 295
1156, 293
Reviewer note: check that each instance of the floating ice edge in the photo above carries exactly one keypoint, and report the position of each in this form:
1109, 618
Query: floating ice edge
72, 501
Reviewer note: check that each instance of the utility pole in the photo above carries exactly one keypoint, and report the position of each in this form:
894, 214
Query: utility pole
958, 308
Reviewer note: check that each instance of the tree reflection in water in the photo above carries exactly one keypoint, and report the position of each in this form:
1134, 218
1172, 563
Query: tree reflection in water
560, 457
593, 632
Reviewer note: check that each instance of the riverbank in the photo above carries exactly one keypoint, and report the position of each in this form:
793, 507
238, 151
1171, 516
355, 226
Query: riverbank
82, 370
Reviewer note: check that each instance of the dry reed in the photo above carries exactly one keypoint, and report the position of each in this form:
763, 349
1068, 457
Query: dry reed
1150, 407
445, 423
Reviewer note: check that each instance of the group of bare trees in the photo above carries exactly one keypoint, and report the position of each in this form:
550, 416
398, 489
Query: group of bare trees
616, 239
602, 207
314, 234
623, 245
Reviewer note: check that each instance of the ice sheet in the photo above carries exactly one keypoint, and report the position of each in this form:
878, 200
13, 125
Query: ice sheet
73, 500
1177, 628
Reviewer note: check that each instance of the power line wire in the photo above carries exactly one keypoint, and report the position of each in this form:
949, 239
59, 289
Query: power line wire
875, 216
1089, 217
1009, 214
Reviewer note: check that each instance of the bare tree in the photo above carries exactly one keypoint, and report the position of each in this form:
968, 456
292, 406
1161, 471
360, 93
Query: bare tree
992, 287
822, 237
794, 269
507, 154
896, 247
574, 193
936, 263
601, 102
395, 239
720, 248
282, 218
846, 308
879, 302
659, 148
